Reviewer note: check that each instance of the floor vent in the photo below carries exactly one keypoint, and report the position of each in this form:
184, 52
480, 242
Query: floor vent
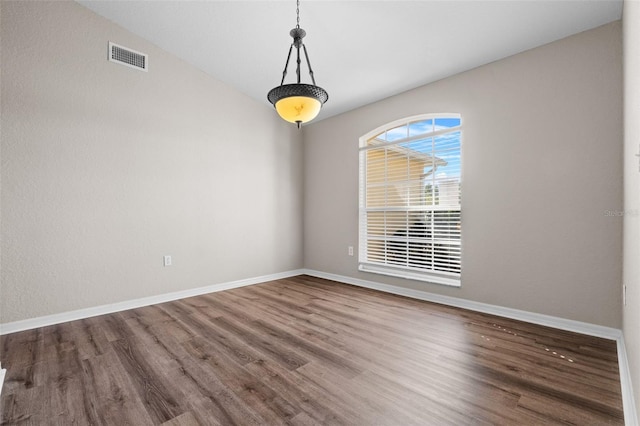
128, 57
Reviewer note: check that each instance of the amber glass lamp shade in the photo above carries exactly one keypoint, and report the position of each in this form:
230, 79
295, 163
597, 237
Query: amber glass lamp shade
298, 109
298, 103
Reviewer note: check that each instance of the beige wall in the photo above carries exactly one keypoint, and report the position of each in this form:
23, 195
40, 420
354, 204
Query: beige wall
631, 317
542, 149
105, 169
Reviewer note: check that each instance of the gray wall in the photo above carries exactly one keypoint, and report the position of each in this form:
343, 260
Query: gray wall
631, 318
542, 148
105, 169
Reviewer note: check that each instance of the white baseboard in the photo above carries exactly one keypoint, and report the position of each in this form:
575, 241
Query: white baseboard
2, 373
628, 401
43, 321
547, 320
630, 415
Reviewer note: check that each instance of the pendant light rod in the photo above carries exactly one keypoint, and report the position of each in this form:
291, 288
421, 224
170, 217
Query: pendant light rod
313, 79
298, 63
286, 65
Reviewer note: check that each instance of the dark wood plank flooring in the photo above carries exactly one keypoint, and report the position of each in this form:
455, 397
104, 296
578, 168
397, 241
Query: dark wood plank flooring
304, 351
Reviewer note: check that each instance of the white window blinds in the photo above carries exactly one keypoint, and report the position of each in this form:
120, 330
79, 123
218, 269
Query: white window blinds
410, 190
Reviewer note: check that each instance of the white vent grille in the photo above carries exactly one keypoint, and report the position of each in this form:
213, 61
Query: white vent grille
130, 58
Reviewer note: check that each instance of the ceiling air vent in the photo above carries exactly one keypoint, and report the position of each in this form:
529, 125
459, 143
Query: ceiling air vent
128, 57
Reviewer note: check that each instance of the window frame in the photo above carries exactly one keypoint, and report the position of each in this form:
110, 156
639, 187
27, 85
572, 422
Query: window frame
366, 265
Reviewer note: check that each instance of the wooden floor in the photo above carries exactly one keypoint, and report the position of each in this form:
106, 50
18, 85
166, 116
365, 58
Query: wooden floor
306, 351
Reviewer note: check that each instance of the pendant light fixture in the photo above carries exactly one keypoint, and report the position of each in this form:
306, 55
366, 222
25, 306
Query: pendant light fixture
298, 102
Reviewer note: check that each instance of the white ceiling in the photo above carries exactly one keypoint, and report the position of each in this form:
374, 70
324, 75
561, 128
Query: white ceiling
360, 51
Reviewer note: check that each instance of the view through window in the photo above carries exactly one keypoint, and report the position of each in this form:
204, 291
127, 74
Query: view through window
410, 198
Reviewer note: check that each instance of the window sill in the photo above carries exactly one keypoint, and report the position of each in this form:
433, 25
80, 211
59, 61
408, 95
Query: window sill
429, 277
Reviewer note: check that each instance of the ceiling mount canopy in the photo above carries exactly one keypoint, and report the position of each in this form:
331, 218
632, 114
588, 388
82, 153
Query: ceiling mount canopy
298, 102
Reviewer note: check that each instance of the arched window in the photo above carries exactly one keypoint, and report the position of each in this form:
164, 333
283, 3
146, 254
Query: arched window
410, 197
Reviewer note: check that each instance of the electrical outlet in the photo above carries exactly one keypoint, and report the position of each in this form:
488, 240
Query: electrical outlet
350, 250
167, 260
